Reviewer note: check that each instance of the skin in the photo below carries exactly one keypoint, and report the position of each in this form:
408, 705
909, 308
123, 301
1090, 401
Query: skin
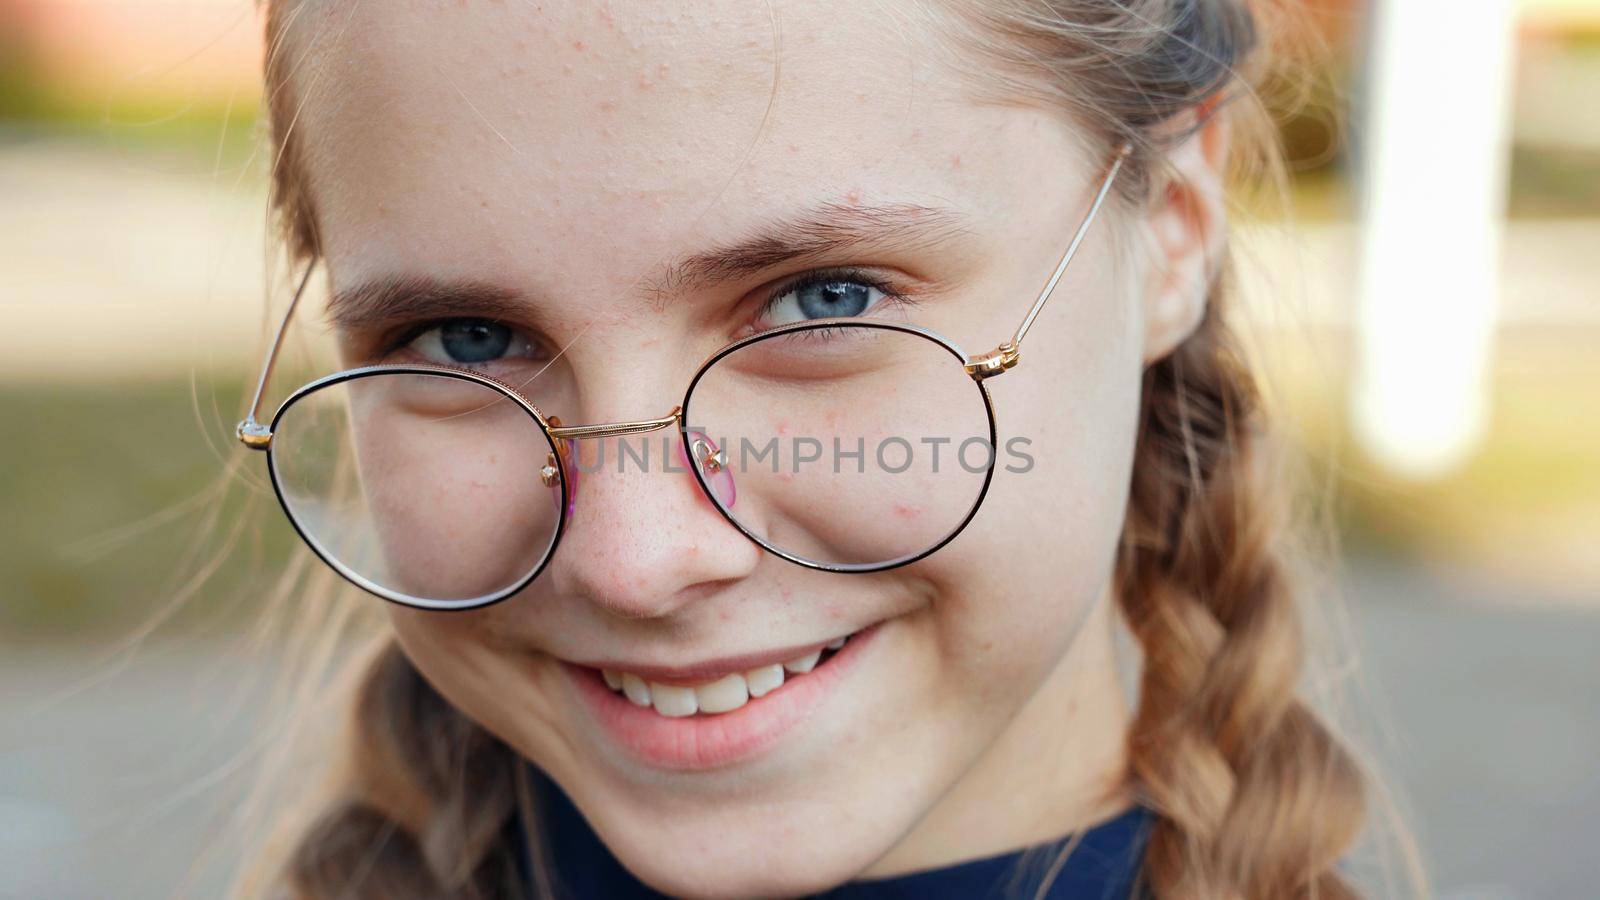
563, 154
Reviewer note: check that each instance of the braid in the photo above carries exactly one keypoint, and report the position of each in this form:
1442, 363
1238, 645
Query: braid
1255, 796
427, 805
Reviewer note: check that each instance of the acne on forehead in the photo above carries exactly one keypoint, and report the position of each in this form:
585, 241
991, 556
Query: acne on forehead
561, 65
541, 62
613, 128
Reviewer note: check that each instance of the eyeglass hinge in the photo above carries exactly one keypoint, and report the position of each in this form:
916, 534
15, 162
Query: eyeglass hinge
254, 435
994, 362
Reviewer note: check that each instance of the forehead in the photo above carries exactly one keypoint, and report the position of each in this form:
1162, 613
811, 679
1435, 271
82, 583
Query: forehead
528, 136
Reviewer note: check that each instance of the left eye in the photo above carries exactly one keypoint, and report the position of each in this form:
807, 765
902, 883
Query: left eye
470, 342
820, 299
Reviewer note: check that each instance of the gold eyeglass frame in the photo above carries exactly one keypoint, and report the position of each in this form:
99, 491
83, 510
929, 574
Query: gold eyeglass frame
259, 436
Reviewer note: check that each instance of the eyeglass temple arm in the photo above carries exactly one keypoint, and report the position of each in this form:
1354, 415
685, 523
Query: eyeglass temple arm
252, 433
1006, 355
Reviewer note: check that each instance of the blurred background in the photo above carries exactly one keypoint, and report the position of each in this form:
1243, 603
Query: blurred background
1427, 309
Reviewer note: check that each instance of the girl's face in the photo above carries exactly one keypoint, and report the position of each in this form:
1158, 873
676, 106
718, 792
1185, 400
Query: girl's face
553, 167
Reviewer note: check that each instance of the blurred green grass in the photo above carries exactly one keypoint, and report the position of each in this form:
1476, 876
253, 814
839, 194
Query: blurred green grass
116, 497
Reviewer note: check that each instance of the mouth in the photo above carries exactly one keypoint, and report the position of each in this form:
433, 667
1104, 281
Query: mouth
705, 719
677, 698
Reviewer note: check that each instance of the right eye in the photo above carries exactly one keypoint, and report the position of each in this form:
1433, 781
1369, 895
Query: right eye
471, 342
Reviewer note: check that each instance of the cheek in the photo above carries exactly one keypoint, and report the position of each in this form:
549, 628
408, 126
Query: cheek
456, 502
1027, 571
472, 657
449, 649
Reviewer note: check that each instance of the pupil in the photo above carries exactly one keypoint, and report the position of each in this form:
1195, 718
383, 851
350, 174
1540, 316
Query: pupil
474, 340
838, 298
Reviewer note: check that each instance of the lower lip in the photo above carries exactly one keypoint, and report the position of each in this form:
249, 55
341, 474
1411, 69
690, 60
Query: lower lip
702, 742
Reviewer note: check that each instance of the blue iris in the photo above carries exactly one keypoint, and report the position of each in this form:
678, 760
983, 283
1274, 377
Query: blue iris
833, 298
474, 340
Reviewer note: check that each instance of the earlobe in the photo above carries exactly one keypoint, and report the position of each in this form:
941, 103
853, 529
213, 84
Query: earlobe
1186, 227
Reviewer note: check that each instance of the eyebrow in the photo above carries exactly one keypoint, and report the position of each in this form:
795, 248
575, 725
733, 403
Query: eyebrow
395, 298
826, 229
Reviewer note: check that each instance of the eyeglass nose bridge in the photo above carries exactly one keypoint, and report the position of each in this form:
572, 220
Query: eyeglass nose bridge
551, 476
612, 429
711, 460
567, 435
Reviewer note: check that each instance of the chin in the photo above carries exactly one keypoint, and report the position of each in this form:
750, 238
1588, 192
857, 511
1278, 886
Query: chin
784, 861
792, 793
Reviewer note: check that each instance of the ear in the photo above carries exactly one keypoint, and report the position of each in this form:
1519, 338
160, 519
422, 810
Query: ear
1186, 226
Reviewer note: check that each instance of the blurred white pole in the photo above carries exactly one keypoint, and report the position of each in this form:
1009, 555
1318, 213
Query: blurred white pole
1433, 199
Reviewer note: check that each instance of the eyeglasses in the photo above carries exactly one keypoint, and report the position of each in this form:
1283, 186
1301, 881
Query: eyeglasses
841, 444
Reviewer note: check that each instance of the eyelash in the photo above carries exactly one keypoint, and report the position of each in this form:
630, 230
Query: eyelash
407, 334
815, 277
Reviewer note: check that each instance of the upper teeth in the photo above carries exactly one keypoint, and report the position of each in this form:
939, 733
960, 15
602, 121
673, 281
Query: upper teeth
725, 694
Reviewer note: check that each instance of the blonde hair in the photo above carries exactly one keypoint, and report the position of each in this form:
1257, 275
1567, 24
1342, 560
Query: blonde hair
1253, 795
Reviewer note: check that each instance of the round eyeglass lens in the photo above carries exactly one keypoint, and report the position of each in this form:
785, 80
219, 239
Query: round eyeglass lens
848, 447
427, 489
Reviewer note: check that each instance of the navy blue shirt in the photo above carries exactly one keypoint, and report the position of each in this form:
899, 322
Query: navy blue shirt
1103, 865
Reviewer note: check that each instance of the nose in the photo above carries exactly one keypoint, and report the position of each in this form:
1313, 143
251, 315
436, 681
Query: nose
643, 539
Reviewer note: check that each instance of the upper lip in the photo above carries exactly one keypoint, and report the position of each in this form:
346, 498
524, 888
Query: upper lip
707, 669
